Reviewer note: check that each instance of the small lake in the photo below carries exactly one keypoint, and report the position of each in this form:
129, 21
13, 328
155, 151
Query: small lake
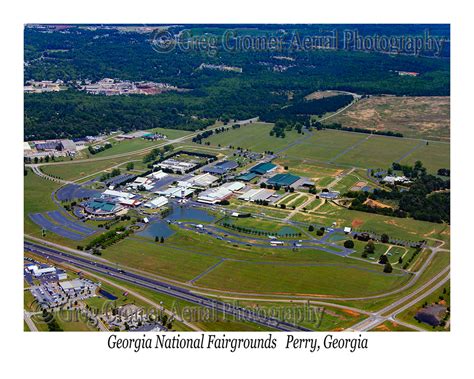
186, 213
158, 228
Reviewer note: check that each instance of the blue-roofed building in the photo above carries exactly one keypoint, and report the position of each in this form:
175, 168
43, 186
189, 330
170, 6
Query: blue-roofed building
283, 179
247, 177
263, 168
221, 168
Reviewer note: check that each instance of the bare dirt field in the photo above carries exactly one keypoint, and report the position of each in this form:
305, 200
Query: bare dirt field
418, 117
322, 94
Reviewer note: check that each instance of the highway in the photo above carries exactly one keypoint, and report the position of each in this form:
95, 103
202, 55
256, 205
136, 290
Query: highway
161, 287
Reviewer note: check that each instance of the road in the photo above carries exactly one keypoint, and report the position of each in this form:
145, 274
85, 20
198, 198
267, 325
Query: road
239, 313
398, 306
29, 321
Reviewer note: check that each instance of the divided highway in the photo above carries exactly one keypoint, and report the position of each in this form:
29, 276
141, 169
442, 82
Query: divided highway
165, 288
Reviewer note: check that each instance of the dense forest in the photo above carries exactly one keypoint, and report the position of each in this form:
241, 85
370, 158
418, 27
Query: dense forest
266, 84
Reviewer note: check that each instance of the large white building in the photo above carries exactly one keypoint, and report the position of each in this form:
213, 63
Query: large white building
157, 202
202, 181
118, 194
257, 194
216, 195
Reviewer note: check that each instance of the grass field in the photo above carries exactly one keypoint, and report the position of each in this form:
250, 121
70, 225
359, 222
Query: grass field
37, 198
402, 228
255, 137
324, 145
439, 262
303, 280
159, 259
419, 117
377, 152
434, 156
81, 169
308, 168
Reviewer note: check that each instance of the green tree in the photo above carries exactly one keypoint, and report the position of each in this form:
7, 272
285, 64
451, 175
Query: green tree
349, 244
370, 247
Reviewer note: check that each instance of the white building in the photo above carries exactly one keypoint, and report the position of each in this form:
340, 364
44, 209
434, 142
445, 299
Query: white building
119, 194
157, 202
157, 175
202, 181
176, 192
257, 194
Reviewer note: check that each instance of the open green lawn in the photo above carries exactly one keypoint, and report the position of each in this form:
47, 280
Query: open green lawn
309, 168
255, 137
377, 152
324, 145
305, 280
37, 198
75, 170
73, 321
434, 156
439, 262
159, 259
261, 225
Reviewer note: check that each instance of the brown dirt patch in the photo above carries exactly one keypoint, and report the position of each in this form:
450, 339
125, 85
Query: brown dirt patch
376, 204
321, 95
426, 117
382, 328
351, 312
357, 223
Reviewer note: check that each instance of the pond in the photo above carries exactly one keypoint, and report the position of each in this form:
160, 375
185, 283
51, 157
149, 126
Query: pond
107, 295
187, 213
158, 228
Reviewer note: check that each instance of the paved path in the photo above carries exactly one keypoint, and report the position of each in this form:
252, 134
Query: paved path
29, 321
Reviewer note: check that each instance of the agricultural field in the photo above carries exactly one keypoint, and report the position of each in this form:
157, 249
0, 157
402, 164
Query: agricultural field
417, 117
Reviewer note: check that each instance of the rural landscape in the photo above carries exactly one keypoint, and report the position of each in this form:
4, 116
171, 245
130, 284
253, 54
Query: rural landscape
218, 189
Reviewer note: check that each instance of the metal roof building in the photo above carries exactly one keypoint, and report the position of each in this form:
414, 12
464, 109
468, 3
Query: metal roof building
247, 177
221, 167
257, 194
263, 168
283, 179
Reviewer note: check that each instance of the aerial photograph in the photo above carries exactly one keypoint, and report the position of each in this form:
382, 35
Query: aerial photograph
236, 177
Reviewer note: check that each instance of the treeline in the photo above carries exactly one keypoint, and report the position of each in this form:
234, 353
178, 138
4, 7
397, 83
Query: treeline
338, 126
155, 153
109, 238
303, 109
109, 175
72, 114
